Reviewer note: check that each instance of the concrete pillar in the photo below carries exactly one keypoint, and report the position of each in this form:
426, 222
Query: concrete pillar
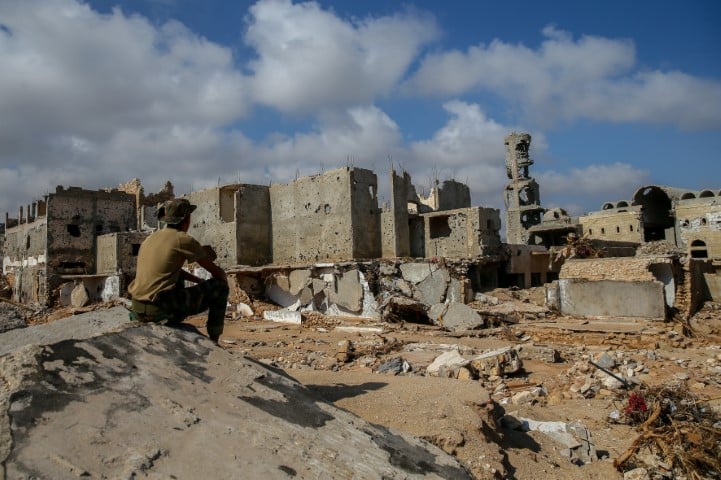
20, 215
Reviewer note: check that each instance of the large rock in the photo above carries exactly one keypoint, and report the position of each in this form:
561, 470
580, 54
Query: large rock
157, 402
417, 272
455, 316
79, 296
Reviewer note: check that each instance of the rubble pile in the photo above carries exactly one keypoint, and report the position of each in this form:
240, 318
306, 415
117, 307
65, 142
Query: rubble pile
659, 247
6, 289
10, 317
679, 435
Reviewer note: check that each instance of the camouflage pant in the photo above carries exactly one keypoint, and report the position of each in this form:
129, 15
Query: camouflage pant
177, 304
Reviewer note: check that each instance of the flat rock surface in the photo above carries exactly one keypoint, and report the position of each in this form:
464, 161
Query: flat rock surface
154, 402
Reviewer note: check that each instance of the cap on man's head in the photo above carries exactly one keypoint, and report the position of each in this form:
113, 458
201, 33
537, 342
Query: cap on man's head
174, 211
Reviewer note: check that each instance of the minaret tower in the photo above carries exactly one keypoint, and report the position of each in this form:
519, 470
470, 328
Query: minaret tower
523, 198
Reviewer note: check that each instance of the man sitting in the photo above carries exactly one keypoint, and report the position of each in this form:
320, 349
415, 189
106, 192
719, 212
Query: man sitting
159, 292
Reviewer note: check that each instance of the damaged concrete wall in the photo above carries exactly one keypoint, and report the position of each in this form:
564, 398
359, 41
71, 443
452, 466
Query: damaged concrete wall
235, 220
467, 232
699, 226
254, 228
530, 264
118, 252
451, 195
395, 230
213, 222
617, 287
24, 259
616, 224
329, 217
76, 217
365, 214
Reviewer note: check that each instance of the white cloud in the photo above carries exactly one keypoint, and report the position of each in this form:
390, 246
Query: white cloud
593, 185
310, 59
564, 79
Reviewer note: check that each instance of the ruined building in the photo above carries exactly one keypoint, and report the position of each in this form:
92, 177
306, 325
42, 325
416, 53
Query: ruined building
527, 222
92, 237
57, 238
687, 219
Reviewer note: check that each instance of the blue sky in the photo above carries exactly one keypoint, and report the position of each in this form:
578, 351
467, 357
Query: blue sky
616, 94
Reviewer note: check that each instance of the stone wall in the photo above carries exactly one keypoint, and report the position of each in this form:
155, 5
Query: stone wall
614, 225
615, 268
699, 221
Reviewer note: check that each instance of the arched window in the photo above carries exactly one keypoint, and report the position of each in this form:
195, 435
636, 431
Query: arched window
698, 249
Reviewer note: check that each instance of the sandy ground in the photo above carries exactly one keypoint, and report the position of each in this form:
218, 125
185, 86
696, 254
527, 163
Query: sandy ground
456, 415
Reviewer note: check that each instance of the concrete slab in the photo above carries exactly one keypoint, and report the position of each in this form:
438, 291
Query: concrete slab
455, 316
349, 292
417, 272
432, 289
611, 298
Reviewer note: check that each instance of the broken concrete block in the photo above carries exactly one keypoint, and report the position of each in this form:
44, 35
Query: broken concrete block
282, 316
574, 436
79, 296
306, 296
455, 316
606, 361
345, 351
446, 364
432, 289
543, 353
298, 280
465, 373
244, 309
417, 272
404, 287
502, 361
387, 269
278, 291
455, 291
348, 292
639, 473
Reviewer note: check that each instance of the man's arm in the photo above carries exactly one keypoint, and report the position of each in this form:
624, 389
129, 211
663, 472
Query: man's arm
214, 269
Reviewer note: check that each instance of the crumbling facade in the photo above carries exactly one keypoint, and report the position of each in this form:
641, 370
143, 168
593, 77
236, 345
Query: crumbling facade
57, 238
687, 219
522, 195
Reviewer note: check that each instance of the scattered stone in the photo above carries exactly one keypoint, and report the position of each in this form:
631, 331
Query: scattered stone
497, 362
543, 353
79, 296
283, 316
606, 361
637, 474
446, 364
392, 367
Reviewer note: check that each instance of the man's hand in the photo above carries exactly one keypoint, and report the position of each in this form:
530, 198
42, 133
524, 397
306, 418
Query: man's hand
210, 253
